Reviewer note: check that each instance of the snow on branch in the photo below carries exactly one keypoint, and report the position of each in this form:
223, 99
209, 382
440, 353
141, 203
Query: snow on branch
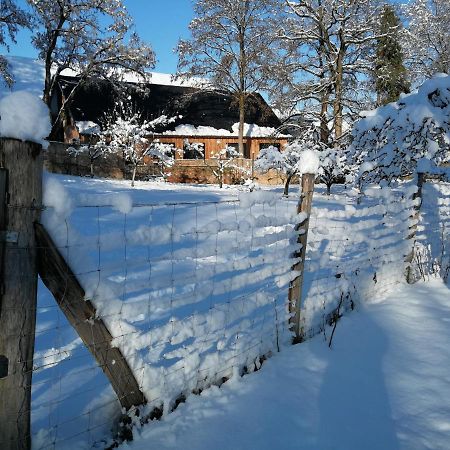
389, 141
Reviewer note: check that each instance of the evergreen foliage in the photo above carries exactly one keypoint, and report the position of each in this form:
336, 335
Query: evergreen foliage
390, 73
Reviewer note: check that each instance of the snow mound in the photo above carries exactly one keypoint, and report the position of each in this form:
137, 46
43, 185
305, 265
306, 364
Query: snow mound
309, 162
88, 127
24, 116
250, 130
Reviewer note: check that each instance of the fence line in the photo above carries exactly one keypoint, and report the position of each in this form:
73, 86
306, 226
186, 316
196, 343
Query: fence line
193, 293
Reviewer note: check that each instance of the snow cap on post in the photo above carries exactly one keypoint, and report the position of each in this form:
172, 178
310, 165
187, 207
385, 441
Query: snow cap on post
25, 117
424, 165
309, 162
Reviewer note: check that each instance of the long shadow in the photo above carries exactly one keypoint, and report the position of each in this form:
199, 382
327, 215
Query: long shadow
354, 408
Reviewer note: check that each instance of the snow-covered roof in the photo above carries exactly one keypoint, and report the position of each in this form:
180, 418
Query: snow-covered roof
87, 127
250, 130
29, 75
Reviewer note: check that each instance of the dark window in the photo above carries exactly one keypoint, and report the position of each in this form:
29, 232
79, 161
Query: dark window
235, 145
193, 150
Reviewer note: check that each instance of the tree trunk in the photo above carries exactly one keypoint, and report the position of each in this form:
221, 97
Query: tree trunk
242, 87
133, 176
92, 169
286, 184
241, 123
337, 106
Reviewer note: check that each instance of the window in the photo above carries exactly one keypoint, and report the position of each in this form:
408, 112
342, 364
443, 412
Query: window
194, 150
235, 145
266, 145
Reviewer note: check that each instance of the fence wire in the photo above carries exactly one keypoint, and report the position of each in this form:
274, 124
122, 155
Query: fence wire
194, 293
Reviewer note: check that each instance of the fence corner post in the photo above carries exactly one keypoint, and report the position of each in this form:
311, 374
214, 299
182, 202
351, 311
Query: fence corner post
296, 285
21, 203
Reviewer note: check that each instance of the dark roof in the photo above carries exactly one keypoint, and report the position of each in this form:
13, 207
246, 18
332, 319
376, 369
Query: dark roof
196, 106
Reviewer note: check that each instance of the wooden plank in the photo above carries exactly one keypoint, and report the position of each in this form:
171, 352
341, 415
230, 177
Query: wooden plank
296, 285
81, 314
21, 198
3, 204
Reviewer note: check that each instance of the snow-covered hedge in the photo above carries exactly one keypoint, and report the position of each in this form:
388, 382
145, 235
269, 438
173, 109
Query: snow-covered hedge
389, 141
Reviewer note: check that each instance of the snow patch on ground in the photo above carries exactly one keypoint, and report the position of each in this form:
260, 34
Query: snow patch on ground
383, 385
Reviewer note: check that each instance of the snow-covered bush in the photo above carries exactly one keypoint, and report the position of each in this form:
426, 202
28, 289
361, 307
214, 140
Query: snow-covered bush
163, 155
128, 136
288, 162
125, 132
225, 160
389, 141
97, 147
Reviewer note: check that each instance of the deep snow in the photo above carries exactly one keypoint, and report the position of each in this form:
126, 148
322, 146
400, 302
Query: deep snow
385, 384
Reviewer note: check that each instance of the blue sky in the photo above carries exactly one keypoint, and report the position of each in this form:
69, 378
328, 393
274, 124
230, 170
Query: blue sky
159, 22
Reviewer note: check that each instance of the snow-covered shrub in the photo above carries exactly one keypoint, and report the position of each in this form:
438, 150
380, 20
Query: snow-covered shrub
288, 162
128, 136
389, 141
225, 160
163, 155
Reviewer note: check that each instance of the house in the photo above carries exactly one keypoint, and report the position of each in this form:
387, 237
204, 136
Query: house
200, 115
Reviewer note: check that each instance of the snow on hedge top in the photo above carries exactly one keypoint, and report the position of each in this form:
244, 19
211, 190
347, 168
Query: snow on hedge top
24, 116
393, 138
429, 101
250, 130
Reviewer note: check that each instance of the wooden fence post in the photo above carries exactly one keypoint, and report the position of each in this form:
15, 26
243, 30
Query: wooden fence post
21, 200
421, 178
296, 285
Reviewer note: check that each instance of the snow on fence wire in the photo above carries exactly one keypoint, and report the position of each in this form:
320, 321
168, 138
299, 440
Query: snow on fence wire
192, 293
432, 247
183, 295
356, 251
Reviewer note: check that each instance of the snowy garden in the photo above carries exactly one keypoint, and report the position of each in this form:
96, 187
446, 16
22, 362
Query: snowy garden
312, 314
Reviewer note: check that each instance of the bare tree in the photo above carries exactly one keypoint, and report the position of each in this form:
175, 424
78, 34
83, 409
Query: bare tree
328, 54
230, 45
426, 40
11, 19
90, 37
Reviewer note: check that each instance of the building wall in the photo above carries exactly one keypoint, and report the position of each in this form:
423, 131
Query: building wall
213, 144
58, 160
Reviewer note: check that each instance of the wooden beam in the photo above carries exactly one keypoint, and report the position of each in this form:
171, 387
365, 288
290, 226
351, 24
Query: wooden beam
81, 314
296, 285
20, 206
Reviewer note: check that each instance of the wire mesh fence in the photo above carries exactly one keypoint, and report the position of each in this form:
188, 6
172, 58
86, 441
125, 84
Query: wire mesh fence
432, 247
195, 292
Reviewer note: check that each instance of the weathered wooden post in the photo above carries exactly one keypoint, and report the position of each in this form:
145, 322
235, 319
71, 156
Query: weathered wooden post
410, 277
21, 200
296, 285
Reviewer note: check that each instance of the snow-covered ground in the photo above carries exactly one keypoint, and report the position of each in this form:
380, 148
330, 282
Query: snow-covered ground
231, 253
384, 384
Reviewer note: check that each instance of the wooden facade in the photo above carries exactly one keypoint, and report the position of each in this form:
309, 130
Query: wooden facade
213, 144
